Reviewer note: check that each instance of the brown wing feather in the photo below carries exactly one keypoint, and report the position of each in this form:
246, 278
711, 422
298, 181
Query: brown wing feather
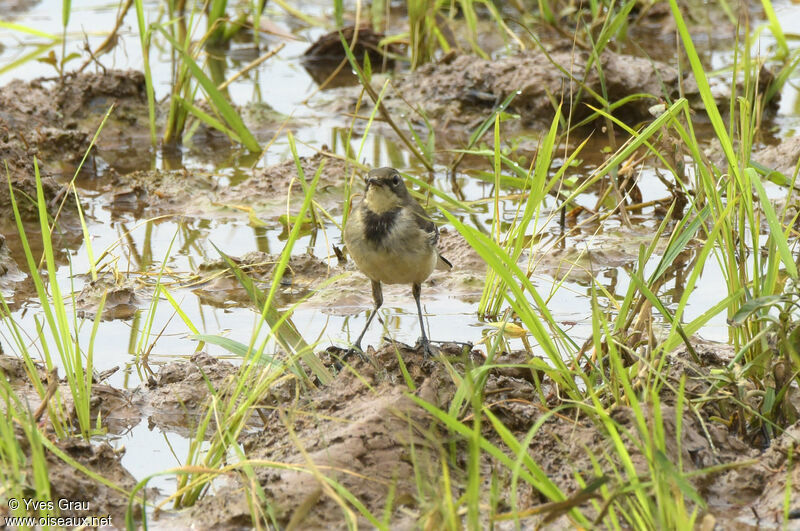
425, 223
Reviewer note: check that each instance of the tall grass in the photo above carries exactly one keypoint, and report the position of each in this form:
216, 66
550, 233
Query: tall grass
23, 467
726, 213
757, 282
60, 329
189, 77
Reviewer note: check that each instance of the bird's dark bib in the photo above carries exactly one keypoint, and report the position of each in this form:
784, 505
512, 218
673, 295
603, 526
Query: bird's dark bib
377, 226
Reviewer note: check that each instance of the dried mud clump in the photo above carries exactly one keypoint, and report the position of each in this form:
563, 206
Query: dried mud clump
88, 95
274, 182
123, 297
462, 89
782, 157
177, 396
360, 432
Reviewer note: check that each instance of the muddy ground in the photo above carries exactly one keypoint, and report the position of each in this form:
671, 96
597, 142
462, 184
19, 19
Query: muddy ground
374, 437
55, 120
261, 197
455, 94
364, 429
98, 457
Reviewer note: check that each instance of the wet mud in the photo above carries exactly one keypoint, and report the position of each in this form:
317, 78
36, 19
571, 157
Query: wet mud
362, 430
336, 288
176, 395
100, 458
303, 275
260, 197
120, 296
782, 157
458, 91
10, 272
14, 7
55, 120
365, 432
114, 406
326, 62
67, 483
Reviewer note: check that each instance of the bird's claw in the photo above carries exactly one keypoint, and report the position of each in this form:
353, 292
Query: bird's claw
425, 345
356, 349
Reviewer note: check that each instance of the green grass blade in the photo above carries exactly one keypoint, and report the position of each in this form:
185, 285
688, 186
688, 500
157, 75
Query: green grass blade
218, 99
27, 29
144, 42
776, 231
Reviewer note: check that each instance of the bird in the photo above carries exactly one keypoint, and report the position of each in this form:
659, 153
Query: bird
392, 240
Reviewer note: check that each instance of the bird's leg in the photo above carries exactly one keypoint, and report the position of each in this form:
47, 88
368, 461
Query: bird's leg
416, 289
377, 299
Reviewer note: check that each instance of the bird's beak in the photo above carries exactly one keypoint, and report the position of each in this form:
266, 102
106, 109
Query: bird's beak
372, 181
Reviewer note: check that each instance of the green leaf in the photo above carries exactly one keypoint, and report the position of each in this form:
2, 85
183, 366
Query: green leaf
234, 347
680, 481
776, 231
752, 306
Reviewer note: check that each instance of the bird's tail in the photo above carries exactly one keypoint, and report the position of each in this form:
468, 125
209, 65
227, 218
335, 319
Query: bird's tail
443, 264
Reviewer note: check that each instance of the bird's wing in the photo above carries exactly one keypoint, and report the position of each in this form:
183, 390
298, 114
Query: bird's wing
425, 223
443, 264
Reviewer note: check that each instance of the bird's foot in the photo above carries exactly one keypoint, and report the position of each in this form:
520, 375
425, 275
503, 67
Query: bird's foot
356, 349
425, 345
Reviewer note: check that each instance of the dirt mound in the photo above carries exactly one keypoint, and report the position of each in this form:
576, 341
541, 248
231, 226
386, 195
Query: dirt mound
363, 431
222, 289
462, 89
325, 57
123, 297
782, 157
54, 120
176, 397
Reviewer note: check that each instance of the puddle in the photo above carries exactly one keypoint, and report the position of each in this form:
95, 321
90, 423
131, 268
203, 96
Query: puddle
161, 212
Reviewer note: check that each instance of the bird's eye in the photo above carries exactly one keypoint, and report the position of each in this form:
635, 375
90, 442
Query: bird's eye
395, 180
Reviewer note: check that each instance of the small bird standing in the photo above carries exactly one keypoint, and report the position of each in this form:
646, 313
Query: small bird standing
392, 240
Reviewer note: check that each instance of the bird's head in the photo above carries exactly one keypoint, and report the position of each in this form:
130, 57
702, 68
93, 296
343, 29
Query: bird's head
385, 190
